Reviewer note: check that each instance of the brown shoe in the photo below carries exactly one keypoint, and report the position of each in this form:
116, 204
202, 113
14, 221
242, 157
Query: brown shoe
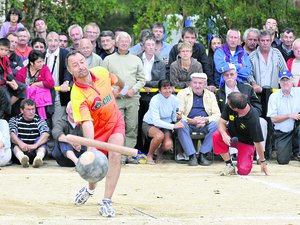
25, 161
37, 162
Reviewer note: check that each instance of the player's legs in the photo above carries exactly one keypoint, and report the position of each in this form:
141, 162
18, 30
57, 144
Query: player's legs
245, 158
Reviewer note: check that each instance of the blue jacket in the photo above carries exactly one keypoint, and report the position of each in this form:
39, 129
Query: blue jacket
223, 57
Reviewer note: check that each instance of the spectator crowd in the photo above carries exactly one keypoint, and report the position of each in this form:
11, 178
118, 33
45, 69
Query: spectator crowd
242, 94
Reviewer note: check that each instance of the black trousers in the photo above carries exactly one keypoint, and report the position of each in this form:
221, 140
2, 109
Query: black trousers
284, 144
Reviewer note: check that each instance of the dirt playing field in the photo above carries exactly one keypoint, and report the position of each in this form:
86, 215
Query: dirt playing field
167, 193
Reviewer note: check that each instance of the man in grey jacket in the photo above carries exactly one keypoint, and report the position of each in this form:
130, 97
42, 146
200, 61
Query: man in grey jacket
267, 62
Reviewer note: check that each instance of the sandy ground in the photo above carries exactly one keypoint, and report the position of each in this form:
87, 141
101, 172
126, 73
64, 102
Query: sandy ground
168, 193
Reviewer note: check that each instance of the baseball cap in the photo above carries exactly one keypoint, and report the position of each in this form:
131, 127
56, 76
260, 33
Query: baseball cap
286, 74
199, 75
230, 67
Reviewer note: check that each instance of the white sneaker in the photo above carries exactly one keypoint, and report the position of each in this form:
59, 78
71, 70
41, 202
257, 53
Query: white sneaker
25, 161
106, 209
228, 170
82, 196
37, 162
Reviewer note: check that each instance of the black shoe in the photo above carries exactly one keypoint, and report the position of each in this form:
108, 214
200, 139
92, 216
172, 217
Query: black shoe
203, 161
193, 160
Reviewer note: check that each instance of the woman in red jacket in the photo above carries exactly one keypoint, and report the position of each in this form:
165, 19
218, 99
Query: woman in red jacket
36, 72
39, 81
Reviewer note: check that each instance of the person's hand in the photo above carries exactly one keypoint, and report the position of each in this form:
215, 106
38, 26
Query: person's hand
178, 125
117, 93
264, 169
148, 89
191, 121
32, 147
76, 146
211, 88
13, 84
64, 86
295, 116
226, 139
200, 121
257, 88
18, 68
24, 147
130, 93
178, 115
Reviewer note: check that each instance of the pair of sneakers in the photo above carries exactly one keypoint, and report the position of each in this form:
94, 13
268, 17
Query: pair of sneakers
106, 209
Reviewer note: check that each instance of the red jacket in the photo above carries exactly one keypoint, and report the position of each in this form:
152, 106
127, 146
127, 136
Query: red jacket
44, 75
289, 64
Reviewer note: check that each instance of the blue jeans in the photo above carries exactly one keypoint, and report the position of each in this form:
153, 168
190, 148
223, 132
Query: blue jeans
184, 137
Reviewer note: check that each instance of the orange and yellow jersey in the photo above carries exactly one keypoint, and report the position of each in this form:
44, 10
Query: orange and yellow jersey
96, 103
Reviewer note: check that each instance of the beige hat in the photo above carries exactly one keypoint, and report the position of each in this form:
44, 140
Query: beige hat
199, 75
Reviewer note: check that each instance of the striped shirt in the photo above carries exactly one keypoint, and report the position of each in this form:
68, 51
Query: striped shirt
28, 131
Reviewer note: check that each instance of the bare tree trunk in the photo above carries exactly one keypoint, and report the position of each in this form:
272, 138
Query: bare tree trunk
36, 5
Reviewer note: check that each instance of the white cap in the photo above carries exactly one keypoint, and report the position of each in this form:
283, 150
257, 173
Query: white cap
231, 67
199, 75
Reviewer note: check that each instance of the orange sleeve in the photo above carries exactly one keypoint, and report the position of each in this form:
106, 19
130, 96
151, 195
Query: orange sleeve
81, 111
113, 79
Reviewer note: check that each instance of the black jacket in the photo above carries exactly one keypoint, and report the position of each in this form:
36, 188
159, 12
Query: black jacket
243, 88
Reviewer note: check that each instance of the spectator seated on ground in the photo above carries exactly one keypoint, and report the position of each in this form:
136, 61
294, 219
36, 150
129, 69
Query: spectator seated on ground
5, 151
159, 120
29, 134
184, 66
10, 90
199, 111
65, 153
38, 79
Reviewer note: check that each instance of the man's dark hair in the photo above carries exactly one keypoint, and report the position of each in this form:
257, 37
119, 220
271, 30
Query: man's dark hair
63, 33
37, 19
164, 83
190, 30
159, 25
71, 53
34, 55
4, 42
144, 33
27, 101
148, 37
107, 33
39, 39
264, 33
237, 100
289, 30
14, 11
